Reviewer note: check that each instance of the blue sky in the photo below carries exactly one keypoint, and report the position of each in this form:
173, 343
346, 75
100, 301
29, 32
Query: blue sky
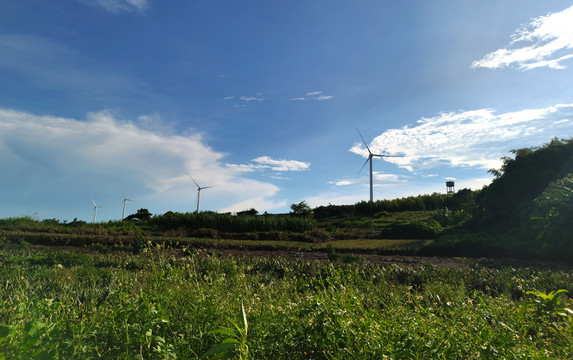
105, 98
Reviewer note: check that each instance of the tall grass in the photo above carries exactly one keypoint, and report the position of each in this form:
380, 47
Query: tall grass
170, 221
156, 306
232, 223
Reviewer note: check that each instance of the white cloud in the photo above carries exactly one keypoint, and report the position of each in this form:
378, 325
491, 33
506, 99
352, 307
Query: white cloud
265, 162
53, 160
282, 165
116, 6
229, 98
251, 98
536, 45
387, 179
343, 182
313, 95
477, 138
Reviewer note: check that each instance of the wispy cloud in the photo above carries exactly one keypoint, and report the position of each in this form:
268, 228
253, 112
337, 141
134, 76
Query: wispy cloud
313, 95
546, 42
62, 159
251, 98
116, 6
344, 182
382, 179
265, 162
477, 138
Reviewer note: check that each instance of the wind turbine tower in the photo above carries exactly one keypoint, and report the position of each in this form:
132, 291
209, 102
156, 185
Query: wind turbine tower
125, 200
199, 188
95, 210
370, 156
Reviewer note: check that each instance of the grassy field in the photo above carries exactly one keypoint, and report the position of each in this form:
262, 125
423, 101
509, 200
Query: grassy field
77, 305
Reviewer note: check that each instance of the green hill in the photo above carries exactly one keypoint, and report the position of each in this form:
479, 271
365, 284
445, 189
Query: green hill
527, 210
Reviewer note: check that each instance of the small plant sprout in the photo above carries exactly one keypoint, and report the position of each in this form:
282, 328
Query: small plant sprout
549, 304
235, 345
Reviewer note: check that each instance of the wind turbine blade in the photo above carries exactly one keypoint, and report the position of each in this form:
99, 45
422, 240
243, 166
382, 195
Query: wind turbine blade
364, 141
382, 155
366, 162
207, 187
193, 180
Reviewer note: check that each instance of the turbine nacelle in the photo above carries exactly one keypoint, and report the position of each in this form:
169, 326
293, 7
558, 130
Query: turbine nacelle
124, 201
369, 159
96, 206
199, 188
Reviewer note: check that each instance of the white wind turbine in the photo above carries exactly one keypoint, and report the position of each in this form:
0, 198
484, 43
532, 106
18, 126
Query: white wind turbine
124, 201
199, 188
370, 156
96, 206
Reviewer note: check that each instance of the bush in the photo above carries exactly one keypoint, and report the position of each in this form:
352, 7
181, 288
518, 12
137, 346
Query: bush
412, 230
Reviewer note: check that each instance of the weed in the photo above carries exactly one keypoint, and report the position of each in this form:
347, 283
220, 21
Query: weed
235, 344
549, 304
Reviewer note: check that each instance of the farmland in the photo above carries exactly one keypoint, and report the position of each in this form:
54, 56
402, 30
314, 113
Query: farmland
166, 303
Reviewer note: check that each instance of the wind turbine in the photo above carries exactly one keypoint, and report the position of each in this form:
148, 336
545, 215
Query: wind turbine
370, 156
95, 209
199, 188
125, 200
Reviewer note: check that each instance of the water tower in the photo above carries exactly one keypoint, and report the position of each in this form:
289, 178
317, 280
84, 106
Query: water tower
450, 187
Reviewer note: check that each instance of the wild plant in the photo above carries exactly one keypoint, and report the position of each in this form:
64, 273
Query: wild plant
235, 345
549, 304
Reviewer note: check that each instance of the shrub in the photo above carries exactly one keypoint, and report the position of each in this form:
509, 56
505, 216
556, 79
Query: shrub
412, 230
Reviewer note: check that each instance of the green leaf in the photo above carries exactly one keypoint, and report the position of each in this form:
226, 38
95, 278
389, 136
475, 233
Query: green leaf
557, 293
537, 293
46, 355
224, 331
229, 340
218, 349
244, 317
33, 327
6, 330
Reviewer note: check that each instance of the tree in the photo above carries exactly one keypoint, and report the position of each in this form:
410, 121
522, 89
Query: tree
301, 209
140, 215
251, 212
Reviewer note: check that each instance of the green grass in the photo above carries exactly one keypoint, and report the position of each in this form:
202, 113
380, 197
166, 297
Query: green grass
118, 241
154, 306
376, 245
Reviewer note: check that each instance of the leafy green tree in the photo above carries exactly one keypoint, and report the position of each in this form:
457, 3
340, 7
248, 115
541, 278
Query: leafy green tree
522, 178
301, 209
251, 212
140, 215
552, 216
